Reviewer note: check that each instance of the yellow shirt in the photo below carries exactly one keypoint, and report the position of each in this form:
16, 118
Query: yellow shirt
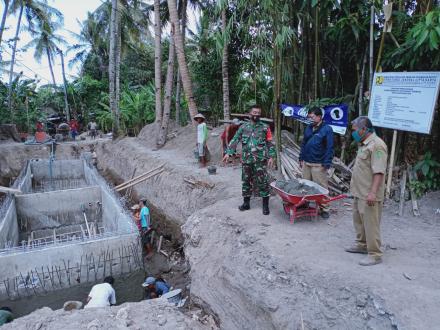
371, 159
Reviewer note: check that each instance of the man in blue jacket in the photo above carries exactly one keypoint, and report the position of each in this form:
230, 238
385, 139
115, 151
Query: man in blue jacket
316, 154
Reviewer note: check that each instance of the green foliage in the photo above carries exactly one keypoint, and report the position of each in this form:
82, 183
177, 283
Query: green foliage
136, 109
428, 170
420, 50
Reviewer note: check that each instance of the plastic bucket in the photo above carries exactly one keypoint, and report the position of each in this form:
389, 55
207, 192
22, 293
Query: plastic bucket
174, 296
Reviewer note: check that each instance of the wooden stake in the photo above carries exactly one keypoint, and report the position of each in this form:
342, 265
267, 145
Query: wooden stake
402, 193
391, 165
160, 243
415, 207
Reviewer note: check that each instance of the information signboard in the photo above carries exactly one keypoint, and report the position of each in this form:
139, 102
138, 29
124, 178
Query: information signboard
404, 100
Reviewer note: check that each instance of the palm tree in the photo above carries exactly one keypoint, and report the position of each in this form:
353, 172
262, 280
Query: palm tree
113, 64
3, 23
162, 137
157, 62
92, 41
178, 40
182, 11
66, 103
46, 42
36, 12
225, 66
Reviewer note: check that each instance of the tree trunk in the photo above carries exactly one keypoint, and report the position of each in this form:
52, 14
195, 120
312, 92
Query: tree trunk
3, 23
118, 69
112, 67
50, 67
178, 85
178, 40
315, 66
162, 138
66, 103
157, 63
11, 70
225, 68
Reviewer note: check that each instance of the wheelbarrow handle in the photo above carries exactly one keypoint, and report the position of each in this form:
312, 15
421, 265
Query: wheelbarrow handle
326, 201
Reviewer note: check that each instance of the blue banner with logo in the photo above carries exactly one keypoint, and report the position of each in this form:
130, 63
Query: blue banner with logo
334, 115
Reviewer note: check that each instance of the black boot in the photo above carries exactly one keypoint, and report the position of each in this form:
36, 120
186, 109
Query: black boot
266, 205
245, 206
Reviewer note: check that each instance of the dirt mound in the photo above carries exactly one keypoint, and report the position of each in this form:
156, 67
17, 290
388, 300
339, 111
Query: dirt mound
148, 314
8, 132
184, 140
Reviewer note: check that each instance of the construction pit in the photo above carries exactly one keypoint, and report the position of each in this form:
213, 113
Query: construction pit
65, 228
248, 271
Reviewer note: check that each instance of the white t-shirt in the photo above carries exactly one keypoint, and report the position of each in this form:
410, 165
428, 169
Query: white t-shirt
93, 125
201, 132
102, 296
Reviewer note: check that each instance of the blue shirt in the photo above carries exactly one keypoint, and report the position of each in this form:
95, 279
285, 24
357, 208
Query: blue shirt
145, 217
317, 146
161, 288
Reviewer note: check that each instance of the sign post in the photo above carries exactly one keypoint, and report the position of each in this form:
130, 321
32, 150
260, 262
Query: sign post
403, 101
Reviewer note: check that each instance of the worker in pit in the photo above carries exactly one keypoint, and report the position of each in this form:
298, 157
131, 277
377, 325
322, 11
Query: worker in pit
137, 216
316, 155
368, 188
102, 295
6, 315
155, 287
146, 229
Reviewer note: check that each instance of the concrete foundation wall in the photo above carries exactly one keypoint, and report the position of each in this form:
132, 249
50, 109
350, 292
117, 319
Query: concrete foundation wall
47, 210
61, 169
114, 218
9, 228
28, 261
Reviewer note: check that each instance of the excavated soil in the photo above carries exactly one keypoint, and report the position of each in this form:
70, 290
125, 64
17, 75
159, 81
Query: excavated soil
261, 272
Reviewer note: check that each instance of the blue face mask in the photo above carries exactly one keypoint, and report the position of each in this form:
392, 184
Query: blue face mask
358, 137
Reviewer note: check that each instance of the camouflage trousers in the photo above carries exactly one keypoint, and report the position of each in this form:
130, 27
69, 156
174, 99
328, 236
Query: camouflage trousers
255, 175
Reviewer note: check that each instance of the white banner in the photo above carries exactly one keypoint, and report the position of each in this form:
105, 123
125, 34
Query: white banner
404, 100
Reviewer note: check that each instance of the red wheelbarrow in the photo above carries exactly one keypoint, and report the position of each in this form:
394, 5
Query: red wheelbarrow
297, 206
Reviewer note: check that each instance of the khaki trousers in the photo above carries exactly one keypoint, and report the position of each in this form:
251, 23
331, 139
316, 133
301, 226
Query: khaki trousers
316, 173
366, 222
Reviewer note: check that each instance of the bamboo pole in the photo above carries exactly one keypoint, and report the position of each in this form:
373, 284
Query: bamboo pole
370, 83
138, 177
140, 180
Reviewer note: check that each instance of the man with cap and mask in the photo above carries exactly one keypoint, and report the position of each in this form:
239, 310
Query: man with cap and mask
368, 188
258, 153
154, 288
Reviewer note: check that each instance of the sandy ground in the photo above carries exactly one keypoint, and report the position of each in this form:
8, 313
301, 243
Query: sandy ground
261, 272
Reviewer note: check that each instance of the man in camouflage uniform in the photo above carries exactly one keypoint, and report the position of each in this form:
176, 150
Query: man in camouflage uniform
367, 187
258, 153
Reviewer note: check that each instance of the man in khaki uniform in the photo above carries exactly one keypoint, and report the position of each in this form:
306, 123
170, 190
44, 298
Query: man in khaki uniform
367, 187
